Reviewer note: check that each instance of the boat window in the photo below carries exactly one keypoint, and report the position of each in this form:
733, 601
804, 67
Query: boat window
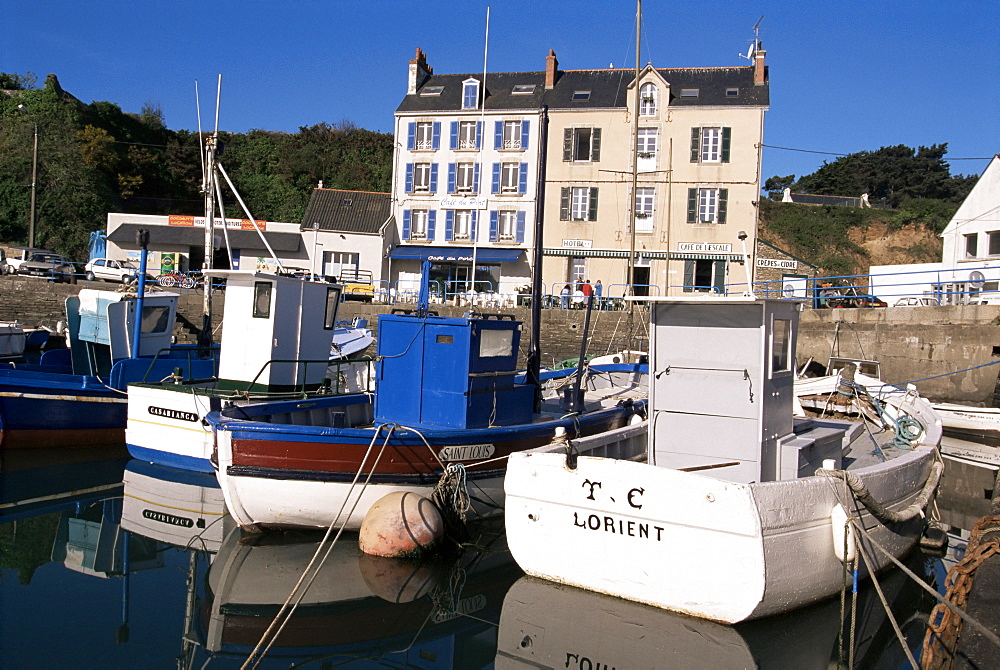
780, 336
444, 339
155, 318
262, 300
332, 304
494, 343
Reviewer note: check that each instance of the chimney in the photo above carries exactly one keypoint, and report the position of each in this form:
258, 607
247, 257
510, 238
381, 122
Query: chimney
551, 66
418, 72
758, 65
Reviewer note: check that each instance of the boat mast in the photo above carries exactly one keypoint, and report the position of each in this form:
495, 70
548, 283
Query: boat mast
208, 189
635, 176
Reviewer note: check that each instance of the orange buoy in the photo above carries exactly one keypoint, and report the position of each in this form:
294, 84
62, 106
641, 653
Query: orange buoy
401, 524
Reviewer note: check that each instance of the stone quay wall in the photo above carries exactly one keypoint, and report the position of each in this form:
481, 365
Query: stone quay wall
926, 345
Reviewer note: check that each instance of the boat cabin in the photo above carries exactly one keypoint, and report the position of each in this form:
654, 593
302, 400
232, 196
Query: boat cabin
438, 372
277, 330
722, 387
101, 327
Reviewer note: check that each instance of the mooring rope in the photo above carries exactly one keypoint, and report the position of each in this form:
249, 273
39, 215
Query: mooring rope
288, 608
879, 511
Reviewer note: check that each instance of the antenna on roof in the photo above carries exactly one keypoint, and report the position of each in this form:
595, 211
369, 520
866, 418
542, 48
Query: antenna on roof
755, 43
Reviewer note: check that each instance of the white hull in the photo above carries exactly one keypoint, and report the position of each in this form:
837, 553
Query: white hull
167, 427
288, 503
985, 420
693, 544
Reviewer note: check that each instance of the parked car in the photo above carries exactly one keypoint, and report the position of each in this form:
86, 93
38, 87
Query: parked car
4, 268
17, 255
111, 270
911, 301
48, 264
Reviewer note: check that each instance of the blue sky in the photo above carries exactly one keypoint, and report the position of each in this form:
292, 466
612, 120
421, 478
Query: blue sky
845, 76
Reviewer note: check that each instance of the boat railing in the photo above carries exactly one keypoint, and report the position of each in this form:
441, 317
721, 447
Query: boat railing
337, 374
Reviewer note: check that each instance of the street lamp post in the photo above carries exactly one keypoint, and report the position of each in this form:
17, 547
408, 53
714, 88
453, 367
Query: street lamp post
34, 178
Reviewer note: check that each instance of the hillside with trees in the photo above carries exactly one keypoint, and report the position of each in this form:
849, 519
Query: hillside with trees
913, 193
95, 158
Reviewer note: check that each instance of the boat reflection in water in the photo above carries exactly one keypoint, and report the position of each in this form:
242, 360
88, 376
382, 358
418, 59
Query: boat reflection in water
440, 612
549, 625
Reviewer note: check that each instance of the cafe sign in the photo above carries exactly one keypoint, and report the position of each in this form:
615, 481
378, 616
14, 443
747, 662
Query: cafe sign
704, 247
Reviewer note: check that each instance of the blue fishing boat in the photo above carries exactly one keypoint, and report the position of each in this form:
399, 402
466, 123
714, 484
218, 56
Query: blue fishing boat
76, 397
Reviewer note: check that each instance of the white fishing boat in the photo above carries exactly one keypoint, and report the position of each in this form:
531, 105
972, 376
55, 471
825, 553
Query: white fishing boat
967, 420
739, 510
279, 334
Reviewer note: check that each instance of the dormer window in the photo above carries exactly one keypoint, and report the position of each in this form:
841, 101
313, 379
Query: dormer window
647, 99
470, 94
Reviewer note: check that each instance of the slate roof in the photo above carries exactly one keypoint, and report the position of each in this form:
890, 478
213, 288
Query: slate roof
347, 211
608, 88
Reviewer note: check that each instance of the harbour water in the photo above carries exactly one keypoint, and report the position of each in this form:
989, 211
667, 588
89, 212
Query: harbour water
107, 562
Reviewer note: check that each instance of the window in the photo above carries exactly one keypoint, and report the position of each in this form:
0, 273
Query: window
523, 89
262, 300
971, 250
710, 144
648, 139
689, 92
421, 178
993, 239
707, 205
582, 144
332, 304
470, 94
732, 92
463, 224
425, 136
581, 95
704, 276
431, 90
577, 268
508, 225
511, 135
509, 177
578, 204
644, 199
468, 135
781, 336
466, 178
418, 219
647, 99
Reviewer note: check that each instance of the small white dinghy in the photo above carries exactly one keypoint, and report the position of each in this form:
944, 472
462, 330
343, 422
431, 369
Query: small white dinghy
725, 516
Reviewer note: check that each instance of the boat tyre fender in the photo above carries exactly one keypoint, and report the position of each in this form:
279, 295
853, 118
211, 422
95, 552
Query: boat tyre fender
876, 508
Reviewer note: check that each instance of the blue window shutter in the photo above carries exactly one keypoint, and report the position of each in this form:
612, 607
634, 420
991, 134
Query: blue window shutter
479, 134
406, 224
454, 136
494, 225
496, 178
409, 178
449, 225
520, 227
475, 179
522, 180
431, 216
411, 135
434, 178
472, 226
524, 133
451, 177
498, 135
436, 137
